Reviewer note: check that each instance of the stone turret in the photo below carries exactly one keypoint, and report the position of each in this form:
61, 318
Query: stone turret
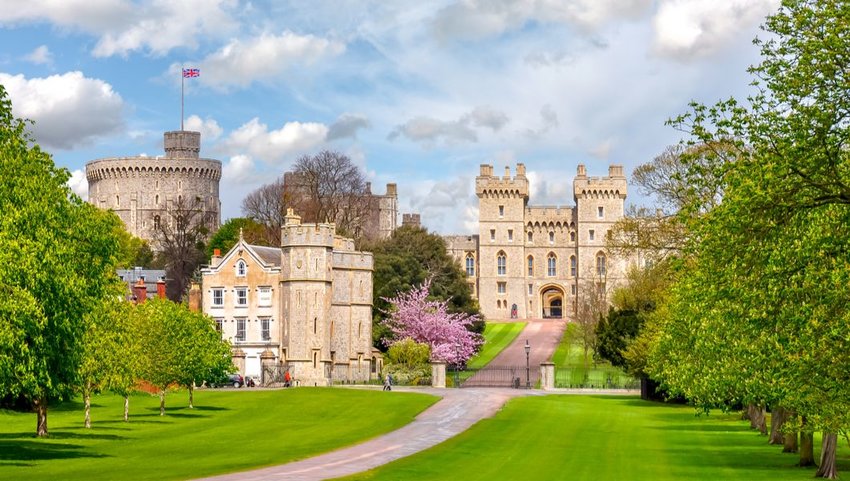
182, 144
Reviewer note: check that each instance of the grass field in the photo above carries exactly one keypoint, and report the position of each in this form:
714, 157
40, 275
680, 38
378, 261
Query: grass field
602, 438
497, 336
573, 370
229, 430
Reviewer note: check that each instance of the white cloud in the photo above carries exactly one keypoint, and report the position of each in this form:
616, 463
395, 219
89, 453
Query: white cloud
445, 206
475, 19
549, 187
429, 130
274, 146
79, 184
347, 125
86, 15
68, 109
239, 169
548, 121
603, 150
209, 128
40, 56
688, 28
242, 62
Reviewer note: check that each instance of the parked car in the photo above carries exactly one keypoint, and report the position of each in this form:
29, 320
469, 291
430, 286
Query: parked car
235, 380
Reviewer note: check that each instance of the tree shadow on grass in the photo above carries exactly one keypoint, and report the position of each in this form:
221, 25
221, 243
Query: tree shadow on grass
178, 412
35, 450
701, 427
29, 435
211, 408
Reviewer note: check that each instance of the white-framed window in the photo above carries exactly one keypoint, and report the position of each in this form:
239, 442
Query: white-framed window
241, 268
501, 211
241, 296
265, 328
530, 266
530, 236
591, 234
551, 237
264, 296
502, 287
240, 329
510, 235
601, 269
600, 212
531, 289
492, 235
552, 264
501, 263
218, 297
218, 324
573, 266
470, 265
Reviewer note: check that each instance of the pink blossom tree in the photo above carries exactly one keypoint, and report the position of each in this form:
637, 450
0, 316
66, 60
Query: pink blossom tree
413, 315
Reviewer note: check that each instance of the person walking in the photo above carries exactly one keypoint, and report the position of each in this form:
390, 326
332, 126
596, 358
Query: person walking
388, 383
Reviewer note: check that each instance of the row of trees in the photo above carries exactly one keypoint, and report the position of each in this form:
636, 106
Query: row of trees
751, 306
63, 328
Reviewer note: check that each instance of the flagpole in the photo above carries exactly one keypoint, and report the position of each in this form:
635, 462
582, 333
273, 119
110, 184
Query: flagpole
182, 81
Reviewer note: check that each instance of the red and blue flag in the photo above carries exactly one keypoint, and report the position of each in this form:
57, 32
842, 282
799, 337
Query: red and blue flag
191, 72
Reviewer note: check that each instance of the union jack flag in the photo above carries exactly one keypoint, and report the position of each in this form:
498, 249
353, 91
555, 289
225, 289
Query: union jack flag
191, 72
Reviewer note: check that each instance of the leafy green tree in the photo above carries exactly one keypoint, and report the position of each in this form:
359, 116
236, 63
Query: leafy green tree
57, 260
228, 234
202, 353
134, 251
408, 258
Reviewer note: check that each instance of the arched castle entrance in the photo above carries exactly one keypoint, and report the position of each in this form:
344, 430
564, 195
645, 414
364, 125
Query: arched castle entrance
552, 301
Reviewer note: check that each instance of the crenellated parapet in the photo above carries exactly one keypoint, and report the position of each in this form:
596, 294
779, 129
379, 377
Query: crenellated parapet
489, 186
614, 186
150, 167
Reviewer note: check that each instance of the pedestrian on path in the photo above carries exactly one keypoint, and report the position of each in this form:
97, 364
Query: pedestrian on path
388, 382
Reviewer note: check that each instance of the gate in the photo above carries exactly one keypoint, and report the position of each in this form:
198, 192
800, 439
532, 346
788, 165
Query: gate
495, 376
273, 374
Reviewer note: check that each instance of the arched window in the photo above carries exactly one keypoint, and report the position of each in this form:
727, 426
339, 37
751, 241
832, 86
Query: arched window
117, 201
551, 237
501, 263
530, 236
552, 262
156, 222
470, 265
572, 236
157, 199
241, 268
601, 269
530, 266
573, 266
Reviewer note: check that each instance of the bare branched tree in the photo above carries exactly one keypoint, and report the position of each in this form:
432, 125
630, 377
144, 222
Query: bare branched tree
591, 306
180, 236
267, 206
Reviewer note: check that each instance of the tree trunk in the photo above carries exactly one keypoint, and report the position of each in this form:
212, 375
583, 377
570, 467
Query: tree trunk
777, 419
790, 445
126, 408
757, 420
87, 398
41, 416
807, 445
162, 403
192, 396
827, 467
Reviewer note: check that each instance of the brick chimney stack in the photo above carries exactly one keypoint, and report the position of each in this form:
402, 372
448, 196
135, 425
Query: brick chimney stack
140, 291
160, 288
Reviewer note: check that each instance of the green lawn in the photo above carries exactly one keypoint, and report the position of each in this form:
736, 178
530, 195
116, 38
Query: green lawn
497, 336
229, 430
573, 370
602, 438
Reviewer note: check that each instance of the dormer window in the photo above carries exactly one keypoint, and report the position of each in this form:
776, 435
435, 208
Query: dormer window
241, 268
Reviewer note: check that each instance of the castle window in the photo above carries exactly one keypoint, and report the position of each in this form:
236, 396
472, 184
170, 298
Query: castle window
492, 235
530, 236
573, 266
218, 324
218, 297
591, 234
552, 262
240, 329
241, 297
265, 327
501, 211
573, 289
601, 270
531, 289
156, 222
551, 237
501, 264
241, 268
470, 265
117, 201
510, 235
315, 325
502, 287
157, 199
315, 359
530, 266
600, 212
572, 236
264, 299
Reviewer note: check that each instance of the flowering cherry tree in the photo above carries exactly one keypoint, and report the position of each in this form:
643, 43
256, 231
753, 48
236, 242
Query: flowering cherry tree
413, 315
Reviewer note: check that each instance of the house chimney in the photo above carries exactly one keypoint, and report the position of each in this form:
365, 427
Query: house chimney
195, 297
160, 288
216, 258
140, 291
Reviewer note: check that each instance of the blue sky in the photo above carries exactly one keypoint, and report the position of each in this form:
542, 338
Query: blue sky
416, 93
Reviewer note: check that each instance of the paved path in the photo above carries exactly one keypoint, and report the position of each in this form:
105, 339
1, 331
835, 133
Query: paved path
454, 413
543, 335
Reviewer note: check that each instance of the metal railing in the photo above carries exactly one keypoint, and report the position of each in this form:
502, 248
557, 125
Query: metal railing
594, 378
494, 376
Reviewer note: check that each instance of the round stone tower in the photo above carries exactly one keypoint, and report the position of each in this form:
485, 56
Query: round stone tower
144, 190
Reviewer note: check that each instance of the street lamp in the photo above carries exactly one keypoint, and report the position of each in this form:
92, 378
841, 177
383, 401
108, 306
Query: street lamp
527, 366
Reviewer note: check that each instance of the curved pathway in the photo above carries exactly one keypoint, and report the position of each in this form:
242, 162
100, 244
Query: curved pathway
454, 413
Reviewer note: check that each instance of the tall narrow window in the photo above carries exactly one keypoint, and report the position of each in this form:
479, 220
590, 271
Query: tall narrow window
530, 236
551, 237
117, 201
501, 211
530, 266
492, 235
510, 235
470, 265
218, 324
572, 236
601, 269
156, 222
591, 234
531, 289
501, 264
552, 262
501, 287
240, 329
157, 199
265, 327
217, 297
573, 266
241, 296
600, 212
315, 325
241, 268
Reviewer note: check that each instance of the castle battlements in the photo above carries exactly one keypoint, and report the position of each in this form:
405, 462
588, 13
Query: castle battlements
489, 185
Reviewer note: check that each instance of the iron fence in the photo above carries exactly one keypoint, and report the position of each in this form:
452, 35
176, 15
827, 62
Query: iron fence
493, 376
594, 378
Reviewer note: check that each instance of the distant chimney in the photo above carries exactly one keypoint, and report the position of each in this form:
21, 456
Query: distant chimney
486, 170
520, 170
140, 291
160, 288
507, 172
581, 171
216, 258
392, 190
615, 171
